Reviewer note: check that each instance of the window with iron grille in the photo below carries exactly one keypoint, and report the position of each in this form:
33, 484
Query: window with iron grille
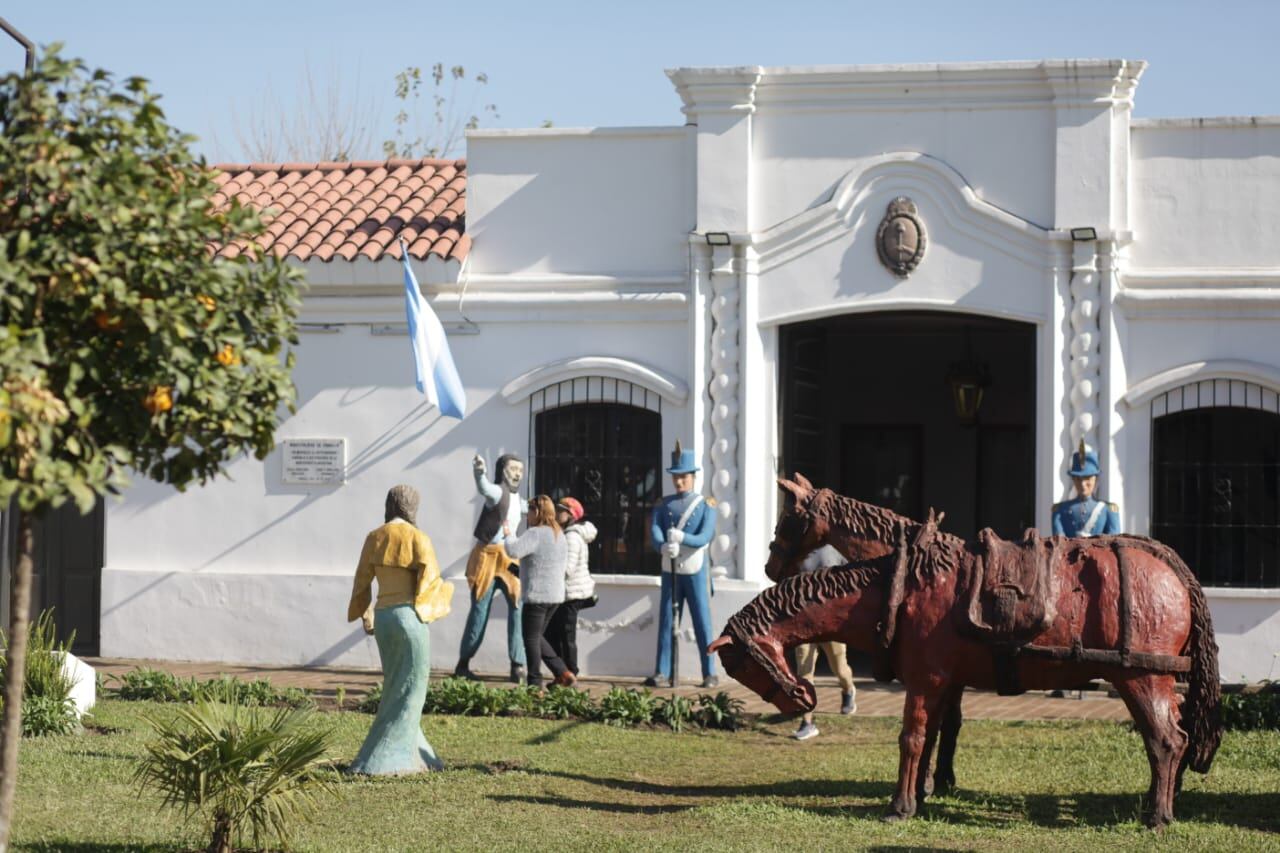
1215, 462
599, 440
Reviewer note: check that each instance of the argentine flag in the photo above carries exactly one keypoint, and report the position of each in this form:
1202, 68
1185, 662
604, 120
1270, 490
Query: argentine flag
432, 361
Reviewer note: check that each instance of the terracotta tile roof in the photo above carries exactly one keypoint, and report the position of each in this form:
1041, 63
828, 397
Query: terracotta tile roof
345, 211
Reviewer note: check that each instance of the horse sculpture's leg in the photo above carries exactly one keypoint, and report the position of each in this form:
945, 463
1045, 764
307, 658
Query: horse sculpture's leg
921, 719
944, 777
1153, 702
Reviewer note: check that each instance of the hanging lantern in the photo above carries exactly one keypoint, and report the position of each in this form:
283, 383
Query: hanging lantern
968, 380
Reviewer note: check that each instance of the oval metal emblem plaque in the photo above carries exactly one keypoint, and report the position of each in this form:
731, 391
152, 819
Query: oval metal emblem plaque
900, 239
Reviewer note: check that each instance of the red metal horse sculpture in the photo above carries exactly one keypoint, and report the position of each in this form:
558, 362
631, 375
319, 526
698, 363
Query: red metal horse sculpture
1051, 614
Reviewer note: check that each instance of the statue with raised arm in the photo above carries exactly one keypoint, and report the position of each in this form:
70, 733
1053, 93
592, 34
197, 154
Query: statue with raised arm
490, 570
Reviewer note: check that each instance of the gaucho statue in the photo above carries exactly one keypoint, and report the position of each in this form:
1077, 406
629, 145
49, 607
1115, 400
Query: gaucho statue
489, 568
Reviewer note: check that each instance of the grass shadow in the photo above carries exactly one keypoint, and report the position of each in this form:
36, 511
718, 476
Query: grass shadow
62, 846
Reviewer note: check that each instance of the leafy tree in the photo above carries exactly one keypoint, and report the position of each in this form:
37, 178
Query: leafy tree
125, 342
450, 118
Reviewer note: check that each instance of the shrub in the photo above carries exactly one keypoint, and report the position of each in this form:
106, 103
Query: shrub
47, 708
48, 715
241, 770
676, 712
621, 707
458, 696
720, 711
562, 703
371, 700
1254, 708
142, 684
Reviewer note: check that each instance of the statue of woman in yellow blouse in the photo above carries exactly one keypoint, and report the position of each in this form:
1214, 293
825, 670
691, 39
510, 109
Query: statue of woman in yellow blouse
410, 595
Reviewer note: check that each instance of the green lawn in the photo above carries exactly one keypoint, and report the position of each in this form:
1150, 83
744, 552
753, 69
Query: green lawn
541, 785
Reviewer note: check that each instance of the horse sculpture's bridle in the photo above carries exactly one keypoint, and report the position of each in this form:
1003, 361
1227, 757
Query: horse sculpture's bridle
753, 649
793, 529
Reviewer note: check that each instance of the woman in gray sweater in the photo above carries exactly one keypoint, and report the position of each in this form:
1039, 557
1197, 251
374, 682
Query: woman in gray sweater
542, 553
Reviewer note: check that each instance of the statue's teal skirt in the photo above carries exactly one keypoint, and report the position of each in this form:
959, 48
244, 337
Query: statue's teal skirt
395, 744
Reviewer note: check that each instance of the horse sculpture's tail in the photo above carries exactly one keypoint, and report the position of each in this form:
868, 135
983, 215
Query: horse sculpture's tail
1201, 711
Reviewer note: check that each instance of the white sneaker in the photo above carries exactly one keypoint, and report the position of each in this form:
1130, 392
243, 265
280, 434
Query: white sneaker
848, 705
806, 731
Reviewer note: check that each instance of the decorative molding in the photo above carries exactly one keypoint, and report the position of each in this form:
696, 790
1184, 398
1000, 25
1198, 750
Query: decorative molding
963, 85
708, 91
1227, 303
1085, 345
1217, 278
640, 131
1255, 372
724, 362
922, 177
1206, 123
666, 385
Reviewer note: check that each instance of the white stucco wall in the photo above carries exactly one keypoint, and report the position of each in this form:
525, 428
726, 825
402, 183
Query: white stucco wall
583, 248
1206, 192
249, 569
579, 201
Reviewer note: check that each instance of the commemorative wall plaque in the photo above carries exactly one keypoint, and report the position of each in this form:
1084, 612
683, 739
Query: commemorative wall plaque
900, 238
314, 461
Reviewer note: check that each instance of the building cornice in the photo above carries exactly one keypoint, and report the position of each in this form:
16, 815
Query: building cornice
1048, 84
707, 91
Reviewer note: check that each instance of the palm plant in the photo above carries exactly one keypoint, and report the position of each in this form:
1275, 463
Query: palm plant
240, 769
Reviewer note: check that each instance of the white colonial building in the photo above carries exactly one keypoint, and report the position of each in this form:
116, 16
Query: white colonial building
726, 281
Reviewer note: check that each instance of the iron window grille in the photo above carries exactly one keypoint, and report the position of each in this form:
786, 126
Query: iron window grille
1215, 480
599, 439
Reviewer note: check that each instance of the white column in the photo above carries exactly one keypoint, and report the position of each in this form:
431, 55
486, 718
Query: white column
756, 422
724, 390
695, 433
1113, 327
1085, 373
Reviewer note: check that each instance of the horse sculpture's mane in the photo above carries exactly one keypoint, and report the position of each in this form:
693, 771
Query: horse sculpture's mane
795, 594
943, 553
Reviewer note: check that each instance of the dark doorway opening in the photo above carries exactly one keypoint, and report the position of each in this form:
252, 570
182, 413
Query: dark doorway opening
67, 576
867, 409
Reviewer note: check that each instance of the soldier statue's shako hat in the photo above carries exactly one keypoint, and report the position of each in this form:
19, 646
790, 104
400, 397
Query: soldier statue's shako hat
682, 462
1084, 463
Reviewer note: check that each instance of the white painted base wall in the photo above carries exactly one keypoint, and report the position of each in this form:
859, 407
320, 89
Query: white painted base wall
1247, 625
297, 620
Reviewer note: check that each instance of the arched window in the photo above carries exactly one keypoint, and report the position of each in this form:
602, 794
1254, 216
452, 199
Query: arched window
1215, 462
599, 439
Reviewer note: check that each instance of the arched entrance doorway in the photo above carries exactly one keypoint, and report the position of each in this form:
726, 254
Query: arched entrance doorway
868, 408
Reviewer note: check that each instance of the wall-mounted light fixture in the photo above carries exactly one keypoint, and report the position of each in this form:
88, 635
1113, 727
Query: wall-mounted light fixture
717, 238
1080, 235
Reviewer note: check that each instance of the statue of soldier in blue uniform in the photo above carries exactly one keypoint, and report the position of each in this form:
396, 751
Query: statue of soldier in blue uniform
1085, 514
682, 527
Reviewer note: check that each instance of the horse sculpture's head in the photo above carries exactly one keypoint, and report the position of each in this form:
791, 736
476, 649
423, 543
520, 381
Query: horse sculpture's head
762, 666
800, 529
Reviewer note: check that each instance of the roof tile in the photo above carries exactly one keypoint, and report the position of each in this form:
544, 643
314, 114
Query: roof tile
343, 210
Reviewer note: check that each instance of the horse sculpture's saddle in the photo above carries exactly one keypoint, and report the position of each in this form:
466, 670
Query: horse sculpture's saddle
1010, 591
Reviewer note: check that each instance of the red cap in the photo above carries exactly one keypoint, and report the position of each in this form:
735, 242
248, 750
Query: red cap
571, 506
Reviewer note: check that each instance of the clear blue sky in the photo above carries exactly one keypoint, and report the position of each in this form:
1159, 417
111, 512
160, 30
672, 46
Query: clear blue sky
601, 63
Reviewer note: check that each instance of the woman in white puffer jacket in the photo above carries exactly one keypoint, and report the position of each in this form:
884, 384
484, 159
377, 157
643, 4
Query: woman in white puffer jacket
579, 588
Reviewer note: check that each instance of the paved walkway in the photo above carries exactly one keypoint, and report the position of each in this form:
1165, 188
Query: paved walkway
874, 699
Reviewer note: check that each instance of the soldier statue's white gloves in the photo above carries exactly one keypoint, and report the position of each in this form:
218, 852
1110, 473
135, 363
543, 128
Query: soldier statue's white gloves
676, 536
477, 463
671, 549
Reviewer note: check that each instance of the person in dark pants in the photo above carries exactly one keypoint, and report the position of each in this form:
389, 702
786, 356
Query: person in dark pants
542, 553
579, 588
